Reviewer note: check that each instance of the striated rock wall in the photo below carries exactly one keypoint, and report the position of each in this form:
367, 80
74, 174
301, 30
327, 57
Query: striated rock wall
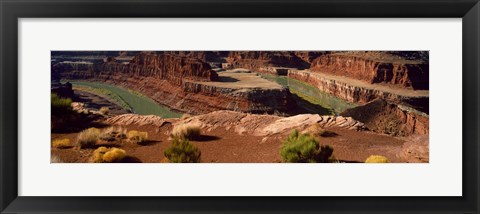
402, 73
164, 66
267, 125
257, 60
339, 89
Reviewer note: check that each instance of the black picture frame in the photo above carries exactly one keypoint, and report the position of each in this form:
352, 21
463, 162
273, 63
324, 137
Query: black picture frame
12, 10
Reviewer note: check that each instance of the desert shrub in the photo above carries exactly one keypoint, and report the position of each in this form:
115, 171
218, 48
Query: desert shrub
105, 155
376, 159
55, 159
186, 131
182, 151
98, 154
104, 110
114, 155
113, 134
303, 148
88, 138
61, 143
137, 136
316, 130
60, 105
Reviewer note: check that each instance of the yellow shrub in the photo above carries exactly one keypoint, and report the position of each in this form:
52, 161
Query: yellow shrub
88, 138
104, 155
104, 110
186, 131
137, 136
314, 130
114, 155
98, 154
61, 143
376, 159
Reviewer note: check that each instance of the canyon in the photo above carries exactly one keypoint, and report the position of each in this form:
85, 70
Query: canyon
246, 103
185, 81
179, 83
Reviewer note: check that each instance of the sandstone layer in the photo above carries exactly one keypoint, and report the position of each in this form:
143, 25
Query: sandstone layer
266, 125
397, 72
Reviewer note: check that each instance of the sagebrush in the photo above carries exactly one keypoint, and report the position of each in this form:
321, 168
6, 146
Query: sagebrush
138, 137
182, 151
88, 138
186, 131
61, 143
105, 155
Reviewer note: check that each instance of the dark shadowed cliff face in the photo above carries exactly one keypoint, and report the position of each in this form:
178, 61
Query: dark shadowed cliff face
389, 118
255, 60
398, 72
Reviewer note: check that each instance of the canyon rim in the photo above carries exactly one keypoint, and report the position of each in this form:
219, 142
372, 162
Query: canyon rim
239, 107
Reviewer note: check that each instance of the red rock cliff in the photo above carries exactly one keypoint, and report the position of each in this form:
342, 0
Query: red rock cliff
256, 60
398, 72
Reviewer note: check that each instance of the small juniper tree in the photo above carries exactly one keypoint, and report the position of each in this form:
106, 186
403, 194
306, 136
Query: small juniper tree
303, 148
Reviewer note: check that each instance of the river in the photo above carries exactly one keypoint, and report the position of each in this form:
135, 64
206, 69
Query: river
307, 94
139, 104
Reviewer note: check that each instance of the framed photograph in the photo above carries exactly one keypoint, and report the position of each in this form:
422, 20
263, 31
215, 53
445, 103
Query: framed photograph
239, 106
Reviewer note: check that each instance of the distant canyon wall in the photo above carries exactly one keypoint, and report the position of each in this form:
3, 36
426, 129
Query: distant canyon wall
395, 72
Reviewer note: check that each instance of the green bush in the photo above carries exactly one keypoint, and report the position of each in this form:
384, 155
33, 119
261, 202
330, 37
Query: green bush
303, 148
60, 105
182, 151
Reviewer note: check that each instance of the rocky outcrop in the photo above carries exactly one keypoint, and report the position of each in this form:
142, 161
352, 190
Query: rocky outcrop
135, 119
398, 72
266, 125
389, 118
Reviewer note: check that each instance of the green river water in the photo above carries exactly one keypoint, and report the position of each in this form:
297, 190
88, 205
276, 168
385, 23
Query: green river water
139, 104
310, 97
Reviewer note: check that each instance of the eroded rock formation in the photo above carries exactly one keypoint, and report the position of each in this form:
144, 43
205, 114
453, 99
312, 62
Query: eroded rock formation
398, 72
389, 118
266, 125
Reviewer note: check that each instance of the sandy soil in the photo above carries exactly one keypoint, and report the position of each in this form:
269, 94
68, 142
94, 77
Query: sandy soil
226, 146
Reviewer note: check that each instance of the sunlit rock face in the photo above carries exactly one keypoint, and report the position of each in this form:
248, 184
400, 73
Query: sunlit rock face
397, 72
